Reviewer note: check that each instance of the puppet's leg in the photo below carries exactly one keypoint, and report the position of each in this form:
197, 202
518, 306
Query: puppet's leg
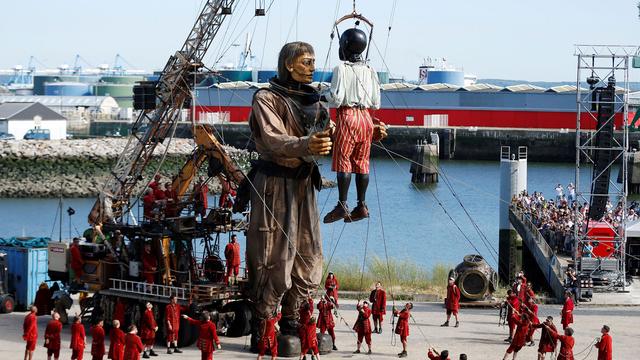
341, 211
360, 165
341, 164
344, 181
362, 182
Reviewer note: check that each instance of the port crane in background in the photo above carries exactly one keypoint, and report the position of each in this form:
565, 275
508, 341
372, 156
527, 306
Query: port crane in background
195, 276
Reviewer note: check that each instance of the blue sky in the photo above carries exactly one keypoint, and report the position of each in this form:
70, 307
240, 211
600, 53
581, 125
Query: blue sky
510, 39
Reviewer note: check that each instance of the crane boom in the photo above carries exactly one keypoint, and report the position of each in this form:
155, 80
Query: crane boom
172, 90
208, 147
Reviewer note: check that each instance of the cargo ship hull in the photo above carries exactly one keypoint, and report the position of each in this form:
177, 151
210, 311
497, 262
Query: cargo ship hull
419, 108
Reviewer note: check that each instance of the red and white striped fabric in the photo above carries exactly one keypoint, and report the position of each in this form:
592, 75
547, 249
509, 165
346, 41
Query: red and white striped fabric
352, 141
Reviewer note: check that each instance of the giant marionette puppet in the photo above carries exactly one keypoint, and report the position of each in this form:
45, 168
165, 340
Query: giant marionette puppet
355, 91
289, 125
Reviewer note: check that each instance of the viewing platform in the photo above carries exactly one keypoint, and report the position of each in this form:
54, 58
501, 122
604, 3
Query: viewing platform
551, 265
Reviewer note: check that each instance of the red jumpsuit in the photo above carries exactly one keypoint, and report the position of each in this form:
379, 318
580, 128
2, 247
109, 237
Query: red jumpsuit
402, 327
132, 347
268, 339
153, 185
172, 316
76, 260
149, 262
118, 312
304, 315
227, 192
159, 194
530, 294
566, 346
232, 255
332, 285
202, 201
567, 313
605, 348
362, 325
97, 342
310, 340
325, 319
116, 344
433, 356
172, 203
77, 341
453, 299
208, 336
522, 293
43, 301
148, 328
30, 331
378, 300
532, 311
547, 342
52, 334
513, 309
148, 201
520, 337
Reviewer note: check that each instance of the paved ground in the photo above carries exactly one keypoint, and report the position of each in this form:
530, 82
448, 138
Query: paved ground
630, 297
478, 336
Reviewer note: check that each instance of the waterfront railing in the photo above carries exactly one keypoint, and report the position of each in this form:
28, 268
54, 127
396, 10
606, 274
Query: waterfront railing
533, 235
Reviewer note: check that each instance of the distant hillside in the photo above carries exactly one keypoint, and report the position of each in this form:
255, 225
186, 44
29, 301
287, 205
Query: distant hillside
633, 86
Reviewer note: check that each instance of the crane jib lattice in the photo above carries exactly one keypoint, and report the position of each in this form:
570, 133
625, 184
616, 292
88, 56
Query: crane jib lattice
172, 90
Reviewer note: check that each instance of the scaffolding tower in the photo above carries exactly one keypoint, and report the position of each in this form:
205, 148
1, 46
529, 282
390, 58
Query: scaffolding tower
602, 142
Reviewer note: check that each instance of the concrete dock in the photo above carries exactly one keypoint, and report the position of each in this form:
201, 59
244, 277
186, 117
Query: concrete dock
479, 335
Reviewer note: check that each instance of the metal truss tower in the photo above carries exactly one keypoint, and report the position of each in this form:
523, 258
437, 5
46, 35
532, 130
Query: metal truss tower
602, 142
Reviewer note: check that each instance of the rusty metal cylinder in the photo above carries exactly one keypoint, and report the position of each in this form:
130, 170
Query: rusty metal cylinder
475, 278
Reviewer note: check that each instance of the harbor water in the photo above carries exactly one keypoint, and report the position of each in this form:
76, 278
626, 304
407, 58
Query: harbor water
415, 226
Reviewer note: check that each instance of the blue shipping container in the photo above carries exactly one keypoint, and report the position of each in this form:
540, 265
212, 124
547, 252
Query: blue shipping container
28, 268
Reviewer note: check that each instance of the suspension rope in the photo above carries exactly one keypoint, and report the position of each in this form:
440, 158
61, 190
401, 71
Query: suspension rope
220, 56
364, 260
386, 255
264, 42
589, 347
224, 39
351, 331
431, 191
384, 241
420, 329
55, 220
483, 237
162, 159
439, 202
391, 17
334, 250
294, 21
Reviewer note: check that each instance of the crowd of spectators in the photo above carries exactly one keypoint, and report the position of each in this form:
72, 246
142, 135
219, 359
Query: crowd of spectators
556, 218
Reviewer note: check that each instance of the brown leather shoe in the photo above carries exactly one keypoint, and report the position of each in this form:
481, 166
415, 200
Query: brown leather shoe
339, 212
360, 212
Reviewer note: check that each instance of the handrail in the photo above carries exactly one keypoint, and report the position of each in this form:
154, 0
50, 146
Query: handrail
143, 288
540, 241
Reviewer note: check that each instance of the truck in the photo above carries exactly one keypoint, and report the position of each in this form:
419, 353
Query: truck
7, 302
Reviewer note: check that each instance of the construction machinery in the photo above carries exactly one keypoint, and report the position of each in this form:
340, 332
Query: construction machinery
185, 245
7, 302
